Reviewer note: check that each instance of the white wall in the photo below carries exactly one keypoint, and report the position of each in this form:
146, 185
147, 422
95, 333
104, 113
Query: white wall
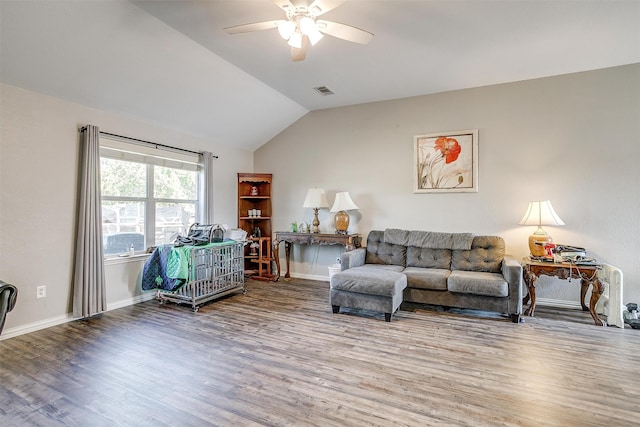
572, 139
38, 178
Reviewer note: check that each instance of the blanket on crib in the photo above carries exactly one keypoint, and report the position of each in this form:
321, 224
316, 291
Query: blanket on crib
167, 268
158, 273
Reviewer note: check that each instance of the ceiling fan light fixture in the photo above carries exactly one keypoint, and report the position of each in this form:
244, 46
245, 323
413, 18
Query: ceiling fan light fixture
295, 40
307, 25
315, 10
302, 28
286, 29
314, 37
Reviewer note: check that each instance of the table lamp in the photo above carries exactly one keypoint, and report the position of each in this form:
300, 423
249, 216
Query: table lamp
341, 204
316, 198
540, 213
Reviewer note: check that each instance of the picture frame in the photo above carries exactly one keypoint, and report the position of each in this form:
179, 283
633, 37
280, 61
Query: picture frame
446, 162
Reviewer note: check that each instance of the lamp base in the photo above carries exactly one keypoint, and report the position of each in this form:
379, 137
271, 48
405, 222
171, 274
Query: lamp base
536, 244
316, 222
341, 221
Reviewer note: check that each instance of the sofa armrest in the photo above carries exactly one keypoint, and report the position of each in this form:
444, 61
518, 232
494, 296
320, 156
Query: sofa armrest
354, 258
512, 272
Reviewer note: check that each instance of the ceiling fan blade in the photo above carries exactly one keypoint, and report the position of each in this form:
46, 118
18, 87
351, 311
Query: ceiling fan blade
257, 26
285, 5
344, 32
298, 54
318, 7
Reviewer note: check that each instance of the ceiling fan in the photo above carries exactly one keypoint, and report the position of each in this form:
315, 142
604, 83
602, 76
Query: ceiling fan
301, 27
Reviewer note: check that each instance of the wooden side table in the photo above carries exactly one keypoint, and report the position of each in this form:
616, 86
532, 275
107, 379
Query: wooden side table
588, 275
349, 241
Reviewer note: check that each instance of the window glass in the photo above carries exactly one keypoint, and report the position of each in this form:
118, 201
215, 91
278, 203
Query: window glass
122, 178
148, 198
173, 219
170, 183
123, 225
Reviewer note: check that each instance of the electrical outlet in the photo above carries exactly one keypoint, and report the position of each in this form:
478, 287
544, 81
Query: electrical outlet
41, 291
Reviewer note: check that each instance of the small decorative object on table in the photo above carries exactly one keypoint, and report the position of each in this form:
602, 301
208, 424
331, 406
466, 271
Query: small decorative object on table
631, 315
253, 248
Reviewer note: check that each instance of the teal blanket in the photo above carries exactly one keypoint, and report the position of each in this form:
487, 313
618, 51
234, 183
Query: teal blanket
168, 267
178, 262
179, 257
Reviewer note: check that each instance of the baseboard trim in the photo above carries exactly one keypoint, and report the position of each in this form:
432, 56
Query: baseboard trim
131, 301
36, 326
549, 302
309, 277
65, 318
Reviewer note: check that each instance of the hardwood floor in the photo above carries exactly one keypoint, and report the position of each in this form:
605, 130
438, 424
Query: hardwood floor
278, 356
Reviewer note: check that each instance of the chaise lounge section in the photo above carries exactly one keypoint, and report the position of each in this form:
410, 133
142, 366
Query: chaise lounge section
446, 269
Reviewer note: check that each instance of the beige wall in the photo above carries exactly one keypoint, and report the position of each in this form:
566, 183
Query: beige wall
572, 139
38, 178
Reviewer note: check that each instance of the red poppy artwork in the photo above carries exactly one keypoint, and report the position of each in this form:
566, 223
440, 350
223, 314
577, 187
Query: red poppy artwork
446, 162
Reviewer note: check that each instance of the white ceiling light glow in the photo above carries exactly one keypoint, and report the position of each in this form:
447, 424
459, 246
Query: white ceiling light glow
309, 28
295, 40
286, 29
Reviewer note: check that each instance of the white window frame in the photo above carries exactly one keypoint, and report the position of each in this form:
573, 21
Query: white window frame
120, 149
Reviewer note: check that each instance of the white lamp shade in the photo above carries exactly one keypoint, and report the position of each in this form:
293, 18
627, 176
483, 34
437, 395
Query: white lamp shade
286, 28
307, 25
314, 37
295, 40
540, 213
343, 202
316, 198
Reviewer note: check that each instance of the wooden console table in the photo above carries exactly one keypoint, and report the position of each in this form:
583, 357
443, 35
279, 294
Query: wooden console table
349, 241
588, 275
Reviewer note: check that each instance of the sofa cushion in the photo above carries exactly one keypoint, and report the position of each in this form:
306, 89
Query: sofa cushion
428, 258
379, 252
427, 278
385, 267
486, 255
478, 283
369, 281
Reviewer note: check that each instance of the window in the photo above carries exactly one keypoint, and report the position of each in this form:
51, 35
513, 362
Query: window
148, 196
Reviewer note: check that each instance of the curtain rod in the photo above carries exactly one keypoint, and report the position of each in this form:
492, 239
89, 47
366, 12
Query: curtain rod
155, 144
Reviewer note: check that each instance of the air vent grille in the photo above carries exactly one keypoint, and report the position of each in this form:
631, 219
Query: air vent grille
324, 91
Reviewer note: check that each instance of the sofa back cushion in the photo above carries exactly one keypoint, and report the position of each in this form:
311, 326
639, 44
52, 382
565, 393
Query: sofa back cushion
428, 258
486, 254
379, 252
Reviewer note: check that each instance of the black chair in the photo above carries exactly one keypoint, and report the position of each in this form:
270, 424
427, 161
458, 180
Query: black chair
8, 296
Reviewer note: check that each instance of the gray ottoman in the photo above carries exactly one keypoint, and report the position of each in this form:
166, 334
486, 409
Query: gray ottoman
368, 288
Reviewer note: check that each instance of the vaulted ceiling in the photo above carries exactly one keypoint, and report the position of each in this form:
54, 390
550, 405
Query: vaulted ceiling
170, 62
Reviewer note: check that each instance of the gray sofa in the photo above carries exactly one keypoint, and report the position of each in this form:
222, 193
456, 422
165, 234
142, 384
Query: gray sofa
445, 269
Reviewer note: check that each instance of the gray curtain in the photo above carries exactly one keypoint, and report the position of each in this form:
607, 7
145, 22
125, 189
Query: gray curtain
89, 288
206, 188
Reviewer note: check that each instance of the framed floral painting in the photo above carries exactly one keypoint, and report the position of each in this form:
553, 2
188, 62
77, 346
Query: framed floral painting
446, 162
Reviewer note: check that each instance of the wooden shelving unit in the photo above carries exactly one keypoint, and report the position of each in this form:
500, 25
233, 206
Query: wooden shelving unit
254, 216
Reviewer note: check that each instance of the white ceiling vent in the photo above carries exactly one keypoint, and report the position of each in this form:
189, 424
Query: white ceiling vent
323, 90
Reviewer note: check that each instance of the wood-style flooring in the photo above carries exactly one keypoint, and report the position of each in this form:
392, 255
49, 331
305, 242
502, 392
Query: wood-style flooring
278, 356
